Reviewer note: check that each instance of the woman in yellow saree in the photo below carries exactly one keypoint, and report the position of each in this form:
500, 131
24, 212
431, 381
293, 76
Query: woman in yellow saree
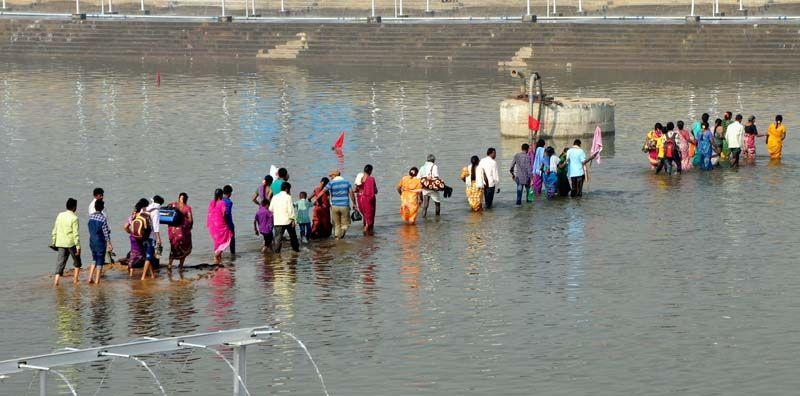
473, 177
775, 135
410, 190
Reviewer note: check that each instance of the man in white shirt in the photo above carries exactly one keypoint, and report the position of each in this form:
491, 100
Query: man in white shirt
283, 216
430, 169
155, 234
492, 175
98, 194
735, 135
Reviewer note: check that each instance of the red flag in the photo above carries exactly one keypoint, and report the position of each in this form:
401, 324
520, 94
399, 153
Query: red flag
339, 142
533, 124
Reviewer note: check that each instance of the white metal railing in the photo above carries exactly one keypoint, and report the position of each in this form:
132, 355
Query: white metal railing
238, 339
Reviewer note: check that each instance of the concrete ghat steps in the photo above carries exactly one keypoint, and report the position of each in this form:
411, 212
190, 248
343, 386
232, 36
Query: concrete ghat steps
478, 45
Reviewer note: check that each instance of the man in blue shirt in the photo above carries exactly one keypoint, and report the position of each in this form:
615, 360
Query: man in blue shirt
341, 192
226, 198
576, 161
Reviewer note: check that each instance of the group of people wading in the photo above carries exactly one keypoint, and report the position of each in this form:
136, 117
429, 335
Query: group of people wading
672, 147
327, 211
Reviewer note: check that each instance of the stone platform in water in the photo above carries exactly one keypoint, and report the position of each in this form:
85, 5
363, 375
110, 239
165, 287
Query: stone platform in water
564, 117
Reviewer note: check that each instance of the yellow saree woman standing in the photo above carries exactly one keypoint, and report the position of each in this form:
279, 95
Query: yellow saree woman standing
473, 177
775, 135
410, 190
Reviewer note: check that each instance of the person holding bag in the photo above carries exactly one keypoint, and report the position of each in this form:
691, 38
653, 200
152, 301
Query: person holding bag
432, 185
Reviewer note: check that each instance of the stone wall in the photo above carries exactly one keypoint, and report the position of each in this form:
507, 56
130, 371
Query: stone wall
481, 45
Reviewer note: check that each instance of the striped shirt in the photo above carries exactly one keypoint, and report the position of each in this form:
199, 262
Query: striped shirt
340, 191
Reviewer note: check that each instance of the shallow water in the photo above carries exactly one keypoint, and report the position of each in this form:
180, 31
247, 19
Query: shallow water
648, 285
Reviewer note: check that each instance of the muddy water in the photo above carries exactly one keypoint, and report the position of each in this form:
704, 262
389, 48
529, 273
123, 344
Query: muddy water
649, 285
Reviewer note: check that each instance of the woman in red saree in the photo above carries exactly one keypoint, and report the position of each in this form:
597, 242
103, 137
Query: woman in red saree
366, 200
180, 237
321, 226
218, 229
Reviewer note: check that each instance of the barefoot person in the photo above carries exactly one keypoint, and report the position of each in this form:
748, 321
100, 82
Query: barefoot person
66, 241
180, 236
217, 226
99, 241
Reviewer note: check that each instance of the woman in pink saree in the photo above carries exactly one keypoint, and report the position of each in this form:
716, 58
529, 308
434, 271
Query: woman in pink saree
221, 235
367, 191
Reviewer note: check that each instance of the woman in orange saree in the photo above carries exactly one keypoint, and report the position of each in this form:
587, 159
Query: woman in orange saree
410, 190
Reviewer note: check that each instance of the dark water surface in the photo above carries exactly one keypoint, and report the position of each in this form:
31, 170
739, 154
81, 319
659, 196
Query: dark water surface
649, 285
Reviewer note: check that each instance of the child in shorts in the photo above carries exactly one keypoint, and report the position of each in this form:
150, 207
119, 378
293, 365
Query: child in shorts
301, 208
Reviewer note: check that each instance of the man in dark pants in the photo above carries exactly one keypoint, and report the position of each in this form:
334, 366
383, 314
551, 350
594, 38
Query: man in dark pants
576, 162
283, 215
492, 175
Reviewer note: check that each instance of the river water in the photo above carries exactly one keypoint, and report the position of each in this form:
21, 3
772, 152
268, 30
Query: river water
648, 285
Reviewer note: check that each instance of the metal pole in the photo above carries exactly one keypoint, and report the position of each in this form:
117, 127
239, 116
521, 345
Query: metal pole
528, 12
102, 6
4, 4
245, 9
395, 8
580, 6
110, 10
240, 364
692, 13
253, 8
142, 5
548, 7
373, 7
42, 383
223, 7
77, 6
427, 5
554, 8
401, 7
282, 7
741, 6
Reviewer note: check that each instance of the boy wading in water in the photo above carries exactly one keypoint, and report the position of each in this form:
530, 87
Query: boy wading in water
99, 241
66, 241
262, 224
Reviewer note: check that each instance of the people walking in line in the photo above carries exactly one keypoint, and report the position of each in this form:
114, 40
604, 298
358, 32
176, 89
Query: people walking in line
671, 152
180, 235
227, 191
492, 174
66, 241
283, 217
475, 182
367, 202
538, 163
263, 191
521, 172
321, 226
776, 133
263, 224
99, 241
430, 170
697, 130
301, 207
734, 136
218, 228
410, 190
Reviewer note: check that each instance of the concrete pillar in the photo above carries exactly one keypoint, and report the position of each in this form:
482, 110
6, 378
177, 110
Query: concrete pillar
240, 366
42, 383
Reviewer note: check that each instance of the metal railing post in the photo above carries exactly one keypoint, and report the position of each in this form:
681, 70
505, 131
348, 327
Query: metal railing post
548, 7
223, 7
142, 2
427, 5
4, 4
401, 7
741, 5
528, 9
253, 8
554, 8
692, 12
373, 7
245, 9
77, 6
240, 366
110, 9
42, 383
282, 7
580, 6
